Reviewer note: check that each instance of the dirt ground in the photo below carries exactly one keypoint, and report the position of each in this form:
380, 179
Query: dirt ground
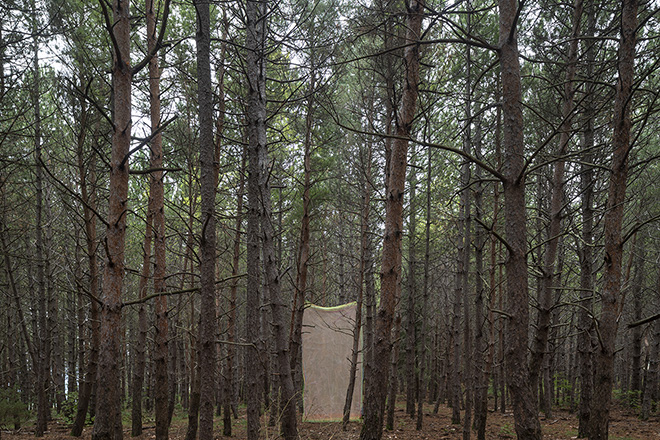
624, 426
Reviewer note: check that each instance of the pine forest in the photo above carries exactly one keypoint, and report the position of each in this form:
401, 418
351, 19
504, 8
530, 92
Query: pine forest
183, 182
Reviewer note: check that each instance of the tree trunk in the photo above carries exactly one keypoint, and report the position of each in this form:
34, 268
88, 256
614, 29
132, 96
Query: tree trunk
256, 114
156, 195
651, 379
612, 299
524, 401
107, 424
207, 326
393, 372
89, 212
362, 278
143, 327
195, 381
42, 367
303, 252
228, 393
481, 370
411, 337
376, 383
545, 303
636, 346
455, 388
425, 300
289, 427
585, 322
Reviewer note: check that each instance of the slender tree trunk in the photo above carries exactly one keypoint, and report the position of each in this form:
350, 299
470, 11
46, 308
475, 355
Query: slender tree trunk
228, 393
456, 392
612, 299
143, 327
540, 345
481, 370
464, 255
256, 114
636, 346
207, 326
107, 424
54, 340
364, 251
495, 323
585, 322
156, 195
524, 401
376, 383
425, 299
195, 382
89, 208
393, 372
277, 307
72, 322
304, 250
42, 367
411, 337
651, 380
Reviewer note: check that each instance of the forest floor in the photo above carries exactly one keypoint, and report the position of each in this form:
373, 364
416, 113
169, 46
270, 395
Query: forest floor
625, 425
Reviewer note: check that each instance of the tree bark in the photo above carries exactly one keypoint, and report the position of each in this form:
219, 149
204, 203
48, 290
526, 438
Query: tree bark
89, 208
207, 326
228, 392
636, 346
585, 322
524, 402
362, 278
156, 196
411, 337
376, 383
425, 299
42, 343
107, 424
143, 327
481, 365
393, 381
651, 379
256, 114
612, 299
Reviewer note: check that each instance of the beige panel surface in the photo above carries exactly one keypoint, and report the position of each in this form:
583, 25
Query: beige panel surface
327, 344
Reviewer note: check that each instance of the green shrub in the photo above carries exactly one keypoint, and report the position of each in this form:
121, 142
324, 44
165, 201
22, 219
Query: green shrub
12, 410
69, 408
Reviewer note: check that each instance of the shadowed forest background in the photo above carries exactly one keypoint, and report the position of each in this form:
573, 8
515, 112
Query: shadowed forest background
180, 179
